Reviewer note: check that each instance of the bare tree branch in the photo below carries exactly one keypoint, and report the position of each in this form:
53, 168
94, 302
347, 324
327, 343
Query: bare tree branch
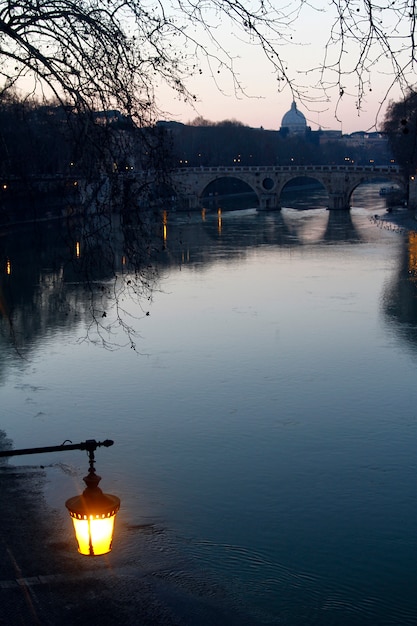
111, 54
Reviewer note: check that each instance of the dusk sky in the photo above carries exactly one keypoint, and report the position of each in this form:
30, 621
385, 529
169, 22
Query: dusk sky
264, 105
268, 107
236, 80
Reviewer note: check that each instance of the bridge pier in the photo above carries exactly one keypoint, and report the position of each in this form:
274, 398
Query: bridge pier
338, 202
193, 201
269, 202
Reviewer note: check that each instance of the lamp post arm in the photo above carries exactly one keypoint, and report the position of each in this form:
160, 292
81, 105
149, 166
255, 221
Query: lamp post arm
90, 445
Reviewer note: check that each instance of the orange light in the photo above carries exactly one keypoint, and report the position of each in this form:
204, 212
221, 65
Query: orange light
164, 225
93, 515
94, 533
412, 255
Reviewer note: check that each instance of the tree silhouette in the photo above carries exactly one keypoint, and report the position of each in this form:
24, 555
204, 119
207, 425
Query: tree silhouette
112, 54
400, 125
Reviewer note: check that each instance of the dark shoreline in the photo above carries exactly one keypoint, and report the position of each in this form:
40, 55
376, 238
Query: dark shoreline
399, 219
44, 581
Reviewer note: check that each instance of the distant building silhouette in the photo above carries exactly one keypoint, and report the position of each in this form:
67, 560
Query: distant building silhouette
294, 122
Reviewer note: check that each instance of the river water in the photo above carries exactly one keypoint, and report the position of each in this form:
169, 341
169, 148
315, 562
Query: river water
265, 426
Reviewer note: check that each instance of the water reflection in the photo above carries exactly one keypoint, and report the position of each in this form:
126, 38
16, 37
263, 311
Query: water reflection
201, 238
400, 294
59, 273
340, 227
54, 277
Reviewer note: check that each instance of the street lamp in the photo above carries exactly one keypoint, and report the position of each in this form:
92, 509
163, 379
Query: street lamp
93, 512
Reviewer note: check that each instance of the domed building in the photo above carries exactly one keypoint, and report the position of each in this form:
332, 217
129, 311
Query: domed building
294, 121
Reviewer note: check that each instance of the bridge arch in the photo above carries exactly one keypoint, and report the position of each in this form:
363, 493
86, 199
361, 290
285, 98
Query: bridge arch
224, 191
283, 183
222, 178
306, 186
369, 179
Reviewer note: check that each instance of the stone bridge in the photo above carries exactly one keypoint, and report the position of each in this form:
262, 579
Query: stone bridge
268, 181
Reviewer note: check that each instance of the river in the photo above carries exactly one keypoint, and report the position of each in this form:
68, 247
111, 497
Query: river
265, 423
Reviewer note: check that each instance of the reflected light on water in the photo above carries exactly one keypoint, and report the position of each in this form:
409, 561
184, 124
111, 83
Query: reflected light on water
164, 225
412, 254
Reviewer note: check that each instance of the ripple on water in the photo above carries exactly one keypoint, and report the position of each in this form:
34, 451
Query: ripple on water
274, 593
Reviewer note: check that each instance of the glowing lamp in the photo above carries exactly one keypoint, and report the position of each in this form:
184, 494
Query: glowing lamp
93, 514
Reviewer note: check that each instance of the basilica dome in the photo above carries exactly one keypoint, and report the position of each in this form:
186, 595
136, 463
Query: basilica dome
294, 121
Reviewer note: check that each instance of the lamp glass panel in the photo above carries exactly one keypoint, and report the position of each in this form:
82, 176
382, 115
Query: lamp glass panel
95, 532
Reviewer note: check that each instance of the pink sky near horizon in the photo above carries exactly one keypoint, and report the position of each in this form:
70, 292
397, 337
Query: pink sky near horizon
267, 112
264, 105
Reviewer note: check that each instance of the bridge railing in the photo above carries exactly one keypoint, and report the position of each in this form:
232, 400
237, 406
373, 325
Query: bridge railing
382, 169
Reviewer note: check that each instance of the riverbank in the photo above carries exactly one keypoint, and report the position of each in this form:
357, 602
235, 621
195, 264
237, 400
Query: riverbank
398, 219
42, 578
44, 581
